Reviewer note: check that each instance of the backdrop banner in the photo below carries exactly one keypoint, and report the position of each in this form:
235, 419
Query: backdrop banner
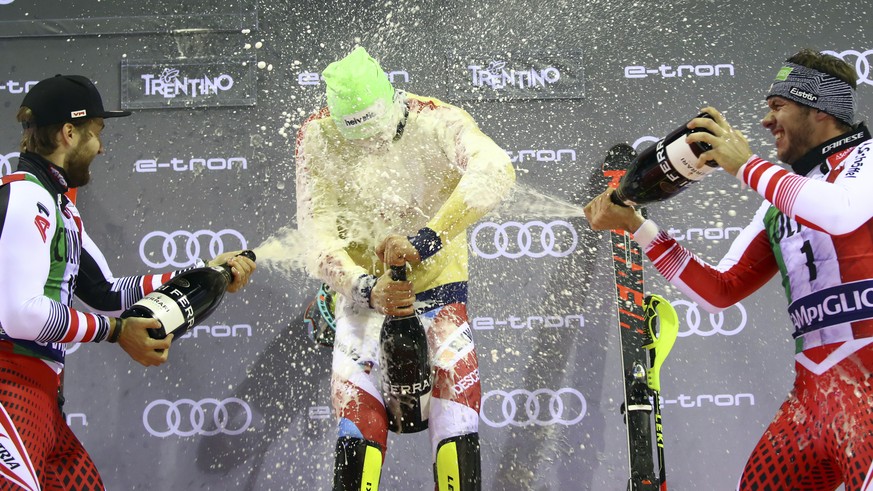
206, 164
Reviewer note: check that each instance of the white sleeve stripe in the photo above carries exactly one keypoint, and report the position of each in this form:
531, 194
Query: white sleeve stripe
56, 324
677, 264
766, 176
672, 261
123, 284
155, 281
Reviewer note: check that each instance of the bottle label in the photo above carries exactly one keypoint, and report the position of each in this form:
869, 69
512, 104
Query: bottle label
411, 390
425, 406
165, 310
407, 413
680, 157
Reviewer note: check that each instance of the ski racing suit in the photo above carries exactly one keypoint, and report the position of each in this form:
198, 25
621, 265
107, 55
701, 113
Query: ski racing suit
440, 175
46, 258
816, 229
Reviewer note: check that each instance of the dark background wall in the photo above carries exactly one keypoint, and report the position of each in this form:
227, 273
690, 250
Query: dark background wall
243, 403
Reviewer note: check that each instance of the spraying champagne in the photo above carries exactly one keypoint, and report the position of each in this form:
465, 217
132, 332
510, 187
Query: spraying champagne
188, 298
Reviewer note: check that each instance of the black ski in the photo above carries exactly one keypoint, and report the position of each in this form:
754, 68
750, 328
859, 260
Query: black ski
636, 319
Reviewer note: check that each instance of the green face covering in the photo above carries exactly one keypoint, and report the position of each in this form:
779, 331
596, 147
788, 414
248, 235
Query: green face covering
359, 95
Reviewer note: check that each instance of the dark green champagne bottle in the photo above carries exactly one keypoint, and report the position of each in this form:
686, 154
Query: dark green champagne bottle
406, 370
663, 170
184, 301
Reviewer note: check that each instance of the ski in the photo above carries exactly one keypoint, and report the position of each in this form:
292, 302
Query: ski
646, 328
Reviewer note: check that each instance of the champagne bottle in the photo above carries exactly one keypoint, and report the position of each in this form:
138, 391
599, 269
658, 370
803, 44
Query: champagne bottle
663, 170
185, 300
406, 370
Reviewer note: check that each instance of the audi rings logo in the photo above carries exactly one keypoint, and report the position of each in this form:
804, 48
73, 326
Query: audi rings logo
644, 139
727, 323
187, 417
540, 407
166, 246
861, 60
6, 161
533, 239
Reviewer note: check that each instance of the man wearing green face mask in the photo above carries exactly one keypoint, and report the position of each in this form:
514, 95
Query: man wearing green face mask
388, 178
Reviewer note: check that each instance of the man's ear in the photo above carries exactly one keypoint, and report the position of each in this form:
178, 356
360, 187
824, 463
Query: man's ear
68, 131
821, 116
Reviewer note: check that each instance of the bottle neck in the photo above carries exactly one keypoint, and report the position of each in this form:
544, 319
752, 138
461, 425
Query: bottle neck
398, 273
225, 271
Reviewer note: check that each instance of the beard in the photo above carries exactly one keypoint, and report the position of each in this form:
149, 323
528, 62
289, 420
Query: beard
800, 137
79, 166
800, 143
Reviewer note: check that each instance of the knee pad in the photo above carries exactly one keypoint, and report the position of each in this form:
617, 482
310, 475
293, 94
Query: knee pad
357, 465
458, 466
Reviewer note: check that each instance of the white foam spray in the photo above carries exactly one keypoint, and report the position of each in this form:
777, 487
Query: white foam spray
285, 252
526, 202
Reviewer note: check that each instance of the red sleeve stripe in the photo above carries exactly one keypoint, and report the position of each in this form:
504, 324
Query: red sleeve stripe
753, 171
150, 282
11, 178
661, 243
147, 285
775, 184
78, 321
767, 175
781, 197
91, 328
418, 105
786, 196
671, 264
73, 330
667, 255
772, 183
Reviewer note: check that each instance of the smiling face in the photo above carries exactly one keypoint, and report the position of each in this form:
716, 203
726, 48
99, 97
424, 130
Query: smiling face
794, 127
